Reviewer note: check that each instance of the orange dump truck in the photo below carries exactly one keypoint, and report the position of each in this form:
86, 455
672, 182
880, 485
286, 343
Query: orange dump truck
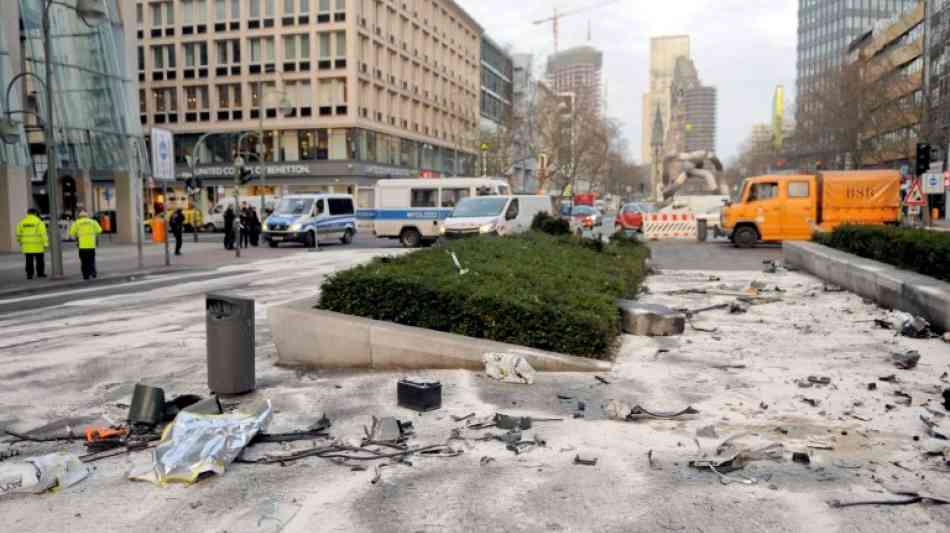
779, 208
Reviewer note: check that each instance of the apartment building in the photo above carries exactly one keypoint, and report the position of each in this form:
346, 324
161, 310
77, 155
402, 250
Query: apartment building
578, 70
345, 91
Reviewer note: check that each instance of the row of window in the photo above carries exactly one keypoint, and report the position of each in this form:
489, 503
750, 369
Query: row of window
192, 12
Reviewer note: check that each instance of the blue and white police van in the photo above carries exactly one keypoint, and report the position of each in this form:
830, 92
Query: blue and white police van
311, 218
412, 210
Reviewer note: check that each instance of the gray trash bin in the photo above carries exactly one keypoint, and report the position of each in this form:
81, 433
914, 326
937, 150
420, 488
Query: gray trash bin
230, 334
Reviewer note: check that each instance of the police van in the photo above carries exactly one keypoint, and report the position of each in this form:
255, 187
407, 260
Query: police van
310, 219
412, 210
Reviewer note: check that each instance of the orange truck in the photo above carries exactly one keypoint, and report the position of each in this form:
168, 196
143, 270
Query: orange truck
793, 207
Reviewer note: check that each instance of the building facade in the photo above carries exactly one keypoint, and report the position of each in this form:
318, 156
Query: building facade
497, 71
346, 92
578, 70
938, 72
524, 174
701, 115
100, 155
825, 30
664, 52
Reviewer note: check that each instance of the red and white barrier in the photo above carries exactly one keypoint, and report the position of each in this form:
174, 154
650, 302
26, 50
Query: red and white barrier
669, 226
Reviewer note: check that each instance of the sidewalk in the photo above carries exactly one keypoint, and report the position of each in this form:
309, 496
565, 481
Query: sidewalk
116, 262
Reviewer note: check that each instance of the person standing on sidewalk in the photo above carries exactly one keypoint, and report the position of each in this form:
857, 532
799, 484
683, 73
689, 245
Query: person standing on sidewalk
177, 224
245, 228
33, 240
255, 226
229, 228
86, 230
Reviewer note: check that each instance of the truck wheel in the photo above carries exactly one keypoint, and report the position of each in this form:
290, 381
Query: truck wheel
745, 237
272, 244
410, 238
347, 237
311, 240
209, 227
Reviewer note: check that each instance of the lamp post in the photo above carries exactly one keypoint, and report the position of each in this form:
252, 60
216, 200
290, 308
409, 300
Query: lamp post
92, 13
285, 108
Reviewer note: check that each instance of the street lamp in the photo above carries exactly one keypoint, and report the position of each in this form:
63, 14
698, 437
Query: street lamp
285, 108
92, 13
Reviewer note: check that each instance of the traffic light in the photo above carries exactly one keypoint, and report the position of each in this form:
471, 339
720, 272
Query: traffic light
923, 159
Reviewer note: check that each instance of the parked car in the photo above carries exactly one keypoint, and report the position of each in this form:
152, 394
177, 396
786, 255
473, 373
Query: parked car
311, 218
586, 216
495, 215
630, 217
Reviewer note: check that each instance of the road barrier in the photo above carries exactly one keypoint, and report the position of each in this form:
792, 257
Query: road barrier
669, 226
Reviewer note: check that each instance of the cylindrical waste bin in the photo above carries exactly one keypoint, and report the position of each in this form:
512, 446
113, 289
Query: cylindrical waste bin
230, 339
158, 229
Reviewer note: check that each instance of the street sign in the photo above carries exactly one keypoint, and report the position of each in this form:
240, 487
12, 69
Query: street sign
163, 157
914, 195
913, 211
933, 183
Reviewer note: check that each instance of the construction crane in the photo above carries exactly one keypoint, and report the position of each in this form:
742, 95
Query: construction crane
555, 20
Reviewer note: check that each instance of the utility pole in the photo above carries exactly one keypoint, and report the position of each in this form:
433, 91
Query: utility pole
52, 178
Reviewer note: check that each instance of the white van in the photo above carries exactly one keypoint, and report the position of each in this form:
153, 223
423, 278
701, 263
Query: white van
311, 218
215, 219
412, 210
499, 215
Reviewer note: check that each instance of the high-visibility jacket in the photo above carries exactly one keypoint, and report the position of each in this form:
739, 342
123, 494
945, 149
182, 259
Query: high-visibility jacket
31, 234
85, 230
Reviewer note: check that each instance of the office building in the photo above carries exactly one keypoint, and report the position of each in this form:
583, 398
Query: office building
664, 52
939, 74
98, 142
497, 71
345, 91
578, 70
525, 163
826, 28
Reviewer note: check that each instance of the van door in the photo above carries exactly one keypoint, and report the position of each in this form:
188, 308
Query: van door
316, 217
512, 222
798, 209
767, 205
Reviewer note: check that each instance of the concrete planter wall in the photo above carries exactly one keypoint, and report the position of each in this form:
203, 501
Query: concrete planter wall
323, 339
883, 283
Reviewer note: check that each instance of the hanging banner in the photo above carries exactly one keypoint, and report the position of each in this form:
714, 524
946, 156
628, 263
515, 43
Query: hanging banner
163, 155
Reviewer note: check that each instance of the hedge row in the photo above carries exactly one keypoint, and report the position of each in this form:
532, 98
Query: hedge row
922, 251
550, 293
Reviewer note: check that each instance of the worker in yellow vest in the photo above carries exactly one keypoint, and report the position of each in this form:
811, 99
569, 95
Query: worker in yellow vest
85, 230
33, 241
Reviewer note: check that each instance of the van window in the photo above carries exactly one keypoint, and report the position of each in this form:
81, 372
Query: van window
340, 206
798, 189
423, 198
451, 197
294, 206
484, 191
512, 212
318, 208
763, 191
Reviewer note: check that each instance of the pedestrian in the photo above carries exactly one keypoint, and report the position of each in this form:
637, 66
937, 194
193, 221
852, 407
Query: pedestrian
229, 228
177, 224
255, 226
85, 230
33, 240
245, 230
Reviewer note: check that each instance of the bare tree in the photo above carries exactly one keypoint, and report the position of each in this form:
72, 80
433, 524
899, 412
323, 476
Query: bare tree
864, 114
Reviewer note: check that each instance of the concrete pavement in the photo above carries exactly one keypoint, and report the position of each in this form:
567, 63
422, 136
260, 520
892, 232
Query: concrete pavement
82, 358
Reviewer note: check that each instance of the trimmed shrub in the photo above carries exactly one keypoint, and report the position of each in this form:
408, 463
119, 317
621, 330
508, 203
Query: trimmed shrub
550, 293
551, 225
923, 251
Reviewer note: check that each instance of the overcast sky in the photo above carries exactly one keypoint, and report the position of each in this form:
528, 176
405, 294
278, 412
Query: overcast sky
743, 47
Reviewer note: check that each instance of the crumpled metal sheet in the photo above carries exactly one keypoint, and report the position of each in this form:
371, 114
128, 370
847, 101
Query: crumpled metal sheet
508, 368
197, 443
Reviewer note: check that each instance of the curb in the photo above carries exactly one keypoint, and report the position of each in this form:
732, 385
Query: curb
314, 338
887, 285
53, 286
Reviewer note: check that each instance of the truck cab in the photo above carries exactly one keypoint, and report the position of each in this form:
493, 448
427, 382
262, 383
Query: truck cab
772, 208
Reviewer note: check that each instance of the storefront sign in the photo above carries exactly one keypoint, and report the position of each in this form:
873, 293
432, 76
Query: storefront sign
163, 158
299, 169
933, 183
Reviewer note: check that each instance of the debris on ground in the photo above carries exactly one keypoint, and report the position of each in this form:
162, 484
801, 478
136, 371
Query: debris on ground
828, 287
946, 337
738, 460
53, 471
911, 498
819, 380
872, 386
618, 410
508, 368
916, 327
771, 266
602, 380
738, 308
946, 399
891, 378
814, 402
707, 432
650, 320
904, 398
801, 458
906, 360
585, 460
419, 394
387, 430
195, 444
819, 445
316, 431
503, 421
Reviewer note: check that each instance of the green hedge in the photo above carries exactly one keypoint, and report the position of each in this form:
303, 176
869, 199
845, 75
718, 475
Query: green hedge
550, 293
922, 251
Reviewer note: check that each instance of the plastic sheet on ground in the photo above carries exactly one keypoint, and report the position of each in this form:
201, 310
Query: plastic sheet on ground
508, 367
197, 443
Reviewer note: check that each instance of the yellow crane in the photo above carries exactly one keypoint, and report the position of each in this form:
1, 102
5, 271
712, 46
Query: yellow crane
556, 19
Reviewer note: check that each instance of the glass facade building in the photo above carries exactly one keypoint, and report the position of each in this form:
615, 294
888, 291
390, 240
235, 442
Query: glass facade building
827, 27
